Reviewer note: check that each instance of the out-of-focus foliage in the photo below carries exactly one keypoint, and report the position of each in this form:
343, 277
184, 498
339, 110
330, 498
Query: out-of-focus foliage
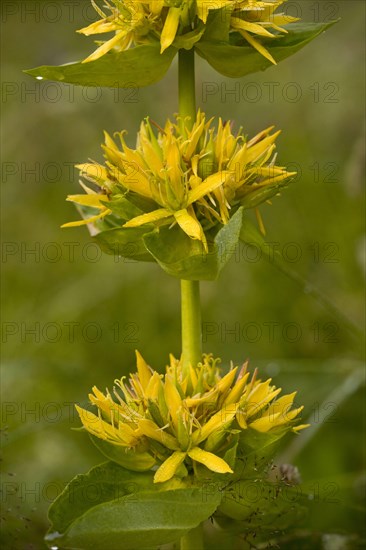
89, 311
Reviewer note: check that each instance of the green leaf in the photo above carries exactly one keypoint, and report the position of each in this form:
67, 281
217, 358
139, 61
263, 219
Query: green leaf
136, 521
102, 483
236, 61
136, 67
188, 40
255, 198
261, 443
257, 503
126, 242
185, 258
131, 460
218, 25
122, 207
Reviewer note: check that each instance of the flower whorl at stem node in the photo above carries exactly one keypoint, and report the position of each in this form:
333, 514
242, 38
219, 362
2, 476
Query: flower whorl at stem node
181, 23
192, 176
187, 417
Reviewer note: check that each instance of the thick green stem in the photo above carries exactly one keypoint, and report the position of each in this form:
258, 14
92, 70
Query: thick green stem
186, 84
193, 540
191, 323
191, 311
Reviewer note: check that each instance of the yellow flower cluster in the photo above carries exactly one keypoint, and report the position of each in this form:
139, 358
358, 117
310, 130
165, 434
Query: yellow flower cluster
144, 21
187, 416
191, 175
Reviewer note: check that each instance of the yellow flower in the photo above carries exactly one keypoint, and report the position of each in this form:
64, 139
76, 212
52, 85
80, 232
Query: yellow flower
142, 21
186, 417
132, 22
93, 200
190, 176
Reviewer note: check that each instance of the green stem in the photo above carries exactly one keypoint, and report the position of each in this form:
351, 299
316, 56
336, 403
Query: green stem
191, 323
193, 540
190, 292
186, 84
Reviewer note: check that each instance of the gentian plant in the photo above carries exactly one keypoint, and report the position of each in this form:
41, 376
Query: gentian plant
181, 446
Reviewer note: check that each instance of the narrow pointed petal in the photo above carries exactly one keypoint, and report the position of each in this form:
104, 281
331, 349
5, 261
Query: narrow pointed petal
93, 170
89, 220
208, 185
143, 370
211, 461
150, 217
172, 399
236, 392
226, 414
105, 47
169, 467
150, 429
170, 28
189, 224
258, 46
251, 27
300, 427
89, 200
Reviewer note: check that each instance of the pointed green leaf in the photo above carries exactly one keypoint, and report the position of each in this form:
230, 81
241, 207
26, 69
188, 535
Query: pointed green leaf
218, 25
129, 459
126, 242
236, 61
259, 504
122, 207
262, 443
185, 258
102, 483
136, 67
136, 521
188, 40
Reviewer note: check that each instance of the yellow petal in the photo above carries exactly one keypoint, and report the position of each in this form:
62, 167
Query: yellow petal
155, 6
89, 220
206, 397
211, 461
152, 390
193, 139
258, 46
300, 427
143, 370
279, 19
172, 399
259, 392
150, 429
281, 405
98, 27
224, 384
263, 424
106, 47
150, 217
236, 391
260, 223
204, 6
226, 414
94, 171
237, 23
170, 28
208, 185
89, 200
101, 429
189, 224
169, 467
254, 152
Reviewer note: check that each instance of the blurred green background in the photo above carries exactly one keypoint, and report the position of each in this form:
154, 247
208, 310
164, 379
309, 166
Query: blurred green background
73, 317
